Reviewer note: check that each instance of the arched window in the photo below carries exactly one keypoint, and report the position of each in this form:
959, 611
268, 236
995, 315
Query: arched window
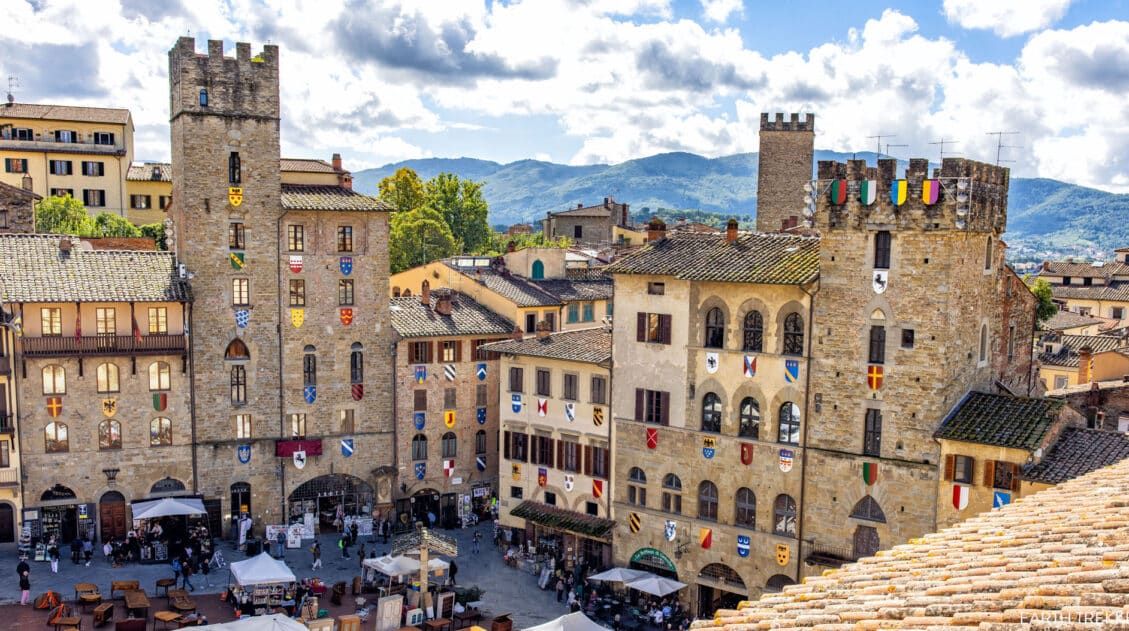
480, 442
784, 516
788, 430
55, 435
234, 168
160, 432
636, 487
715, 329
309, 366
746, 513
238, 385
449, 445
988, 253
867, 508
203, 97
54, 379
160, 376
711, 413
983, 343
672, 494
107, 377
794, 334
707, 501
240, 498
237, 350
754, 332
357, 363
537, 271
109, 434
749, 417
419, 447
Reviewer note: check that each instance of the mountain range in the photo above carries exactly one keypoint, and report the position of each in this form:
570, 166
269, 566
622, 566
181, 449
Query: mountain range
1041, 212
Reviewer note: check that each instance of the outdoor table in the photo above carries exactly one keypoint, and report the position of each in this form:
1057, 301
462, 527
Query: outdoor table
165, 618
438, 624
136, 600
84, 588
69, 621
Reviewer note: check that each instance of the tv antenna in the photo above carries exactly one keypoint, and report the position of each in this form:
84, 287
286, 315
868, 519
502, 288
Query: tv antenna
13, 83
878, 141
1000, 143
888, 145
942, 142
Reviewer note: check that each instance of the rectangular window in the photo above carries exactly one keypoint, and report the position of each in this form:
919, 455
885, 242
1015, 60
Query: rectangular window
1117, 313
5, 454
23, 133
1060, 382
51, 321
550, 498
599, 392
419, 353
61, 167
608, 309
592, 508
15, 165
3, 217
636, 495
449, 398
243, 426
962, 469
158, 321
544, 388
239, 385
419, 403
520, 448
652, 406
93, 168
877, 353
542, 452
66, 135
882, 250
571, 387
450, 351
345, 417
236, 236
62, 192
480, 442
907, 338
1001, 475
589, 312
93, 198
872, 433
483, 354
240, 292
652, 327
298, 425
140, 202
517, 379
573, 312
578, 232
516, 492
103, 138
531, 323
1086, 282
296, 238
106, 321
599, 462
551, 320
345, 291
344, 238
570, 456
163, 201
656, 289
297, 292
480, 395
1011, 343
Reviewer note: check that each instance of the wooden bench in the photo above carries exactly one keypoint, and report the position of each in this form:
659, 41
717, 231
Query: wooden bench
103, 613
123, 586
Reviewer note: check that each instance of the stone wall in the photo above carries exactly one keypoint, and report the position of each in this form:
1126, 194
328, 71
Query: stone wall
17, 210
786, 153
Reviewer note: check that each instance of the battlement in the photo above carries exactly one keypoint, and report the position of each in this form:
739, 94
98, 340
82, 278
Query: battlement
794, 124
212, 83
962, 194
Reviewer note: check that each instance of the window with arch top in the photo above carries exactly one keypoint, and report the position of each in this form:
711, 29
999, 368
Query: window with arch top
637, 487
237, 351
715, 329
672, 494
746, 505
537, 270
356, 363
784, 516
54, 379
160, 432
867, 508
794, 334
753, 339
419, 447
109, 434
55, 438
707, 501
749, 418
107, 377
788, 427
711, 413
309, 366
449, 445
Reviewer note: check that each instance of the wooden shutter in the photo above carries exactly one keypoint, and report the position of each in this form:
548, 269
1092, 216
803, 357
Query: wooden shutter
640, 327
525, 455
606, 454
664, 328
950, 466
638, 404
458, 350
560, 454
664, 405
506, 445
587, 465
412, 353
1014, 477
552, 448
989, 473
431, 352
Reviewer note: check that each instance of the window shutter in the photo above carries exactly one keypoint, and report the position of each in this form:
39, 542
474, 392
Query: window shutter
431, 351
638, 404
560, 454
1014, 477
664, 405
950, 466
506, 445
640, 327
606, 454
458, 350
411, 353
587, 459
664, 325
989, 473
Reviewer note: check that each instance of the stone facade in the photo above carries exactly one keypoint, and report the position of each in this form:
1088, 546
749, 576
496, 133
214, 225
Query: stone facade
786, 154
17, 210
588, 225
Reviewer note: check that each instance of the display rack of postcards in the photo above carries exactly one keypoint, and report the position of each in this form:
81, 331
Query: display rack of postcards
266, 597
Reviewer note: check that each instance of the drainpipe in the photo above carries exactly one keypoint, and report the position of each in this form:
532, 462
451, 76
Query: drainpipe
278, 333
804, 439
395, 419
192, 397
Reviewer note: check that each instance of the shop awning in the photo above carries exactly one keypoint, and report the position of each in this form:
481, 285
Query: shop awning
403, 565
167, 507
261, 570
562, 519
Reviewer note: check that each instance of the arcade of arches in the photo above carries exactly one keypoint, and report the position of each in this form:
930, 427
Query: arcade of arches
324, 500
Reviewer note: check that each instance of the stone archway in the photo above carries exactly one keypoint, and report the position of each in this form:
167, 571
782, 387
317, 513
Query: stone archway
777, 582
112, 516
719, 587
330, 497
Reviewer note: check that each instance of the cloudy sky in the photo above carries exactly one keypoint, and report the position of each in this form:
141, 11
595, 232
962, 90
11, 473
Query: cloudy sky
599, 81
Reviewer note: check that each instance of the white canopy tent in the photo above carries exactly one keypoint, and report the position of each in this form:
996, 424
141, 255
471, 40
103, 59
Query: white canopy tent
261, 570
620, 575
168, 507
656, 585
575, 621
403, 565
273, 622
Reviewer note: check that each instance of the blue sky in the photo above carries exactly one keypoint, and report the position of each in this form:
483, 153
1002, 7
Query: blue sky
600, 81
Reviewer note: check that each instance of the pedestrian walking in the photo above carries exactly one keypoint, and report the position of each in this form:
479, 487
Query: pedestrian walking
76, 551
361, 556
53, 554
474, 540
280, 538
88, 550
177, 569
343, 543
560, 589
354, 530
23, 570
206, 568
454, 571
186, 572
316, 551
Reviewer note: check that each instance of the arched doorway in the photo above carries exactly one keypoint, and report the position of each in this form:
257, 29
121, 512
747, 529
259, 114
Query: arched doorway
415, 508
7, 523
58, 516
538, 270
330, 497
719, 587
111, 514
654, 561
777, 582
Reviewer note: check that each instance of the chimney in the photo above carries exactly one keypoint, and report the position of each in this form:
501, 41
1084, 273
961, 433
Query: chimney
443, 302
580, 204
337, 162
626, 216
1046, 266
607, 202
26, 182
656, 229
425, 294
543, 330
731, 230
1085, 357
517, 335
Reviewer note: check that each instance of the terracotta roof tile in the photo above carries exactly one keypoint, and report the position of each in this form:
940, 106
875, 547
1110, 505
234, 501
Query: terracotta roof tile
114, 116
1067, 356
569, 290
1001, 420
411, 319
771, 259
306, 165
315, 197
1078, 452
149, 172
592, 346
1069, 320
521, 291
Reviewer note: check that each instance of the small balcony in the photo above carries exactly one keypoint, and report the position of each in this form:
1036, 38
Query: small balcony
63, 346
9, 477
7, 423
46, 145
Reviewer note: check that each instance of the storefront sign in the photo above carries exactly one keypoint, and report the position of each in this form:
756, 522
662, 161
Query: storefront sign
456, 481
653, 557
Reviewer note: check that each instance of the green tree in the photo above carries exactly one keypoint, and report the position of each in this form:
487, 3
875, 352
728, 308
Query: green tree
417, 237
156, 232
499, 242
63, 215
111, 225
1046, 308
402, 190
463, 208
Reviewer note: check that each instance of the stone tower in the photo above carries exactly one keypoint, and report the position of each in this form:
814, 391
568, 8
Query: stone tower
785, 164
224, 119
905, 324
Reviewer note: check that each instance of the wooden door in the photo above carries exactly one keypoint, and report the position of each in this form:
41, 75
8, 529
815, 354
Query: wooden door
866, 542
7, 523
111, 514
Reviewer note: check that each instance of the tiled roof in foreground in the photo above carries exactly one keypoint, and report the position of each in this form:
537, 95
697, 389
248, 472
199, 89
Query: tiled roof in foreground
316, 197
771, 259
593, 346
1054, 559
1078, 452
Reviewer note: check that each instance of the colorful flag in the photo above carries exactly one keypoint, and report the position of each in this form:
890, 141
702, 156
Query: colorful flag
54, 406
633, 522
838, 192
709, 447
750, 366
898, 190
480, 416
242, 318
743, 546
480, 371
449, 372
787, 457
960, 496
419, 419
136, 330
238, 260
297, 317
449, 418
597, 488
310, 394
791, 370
868, 191
542, 476
746, 453
160, 401
358, 391
235, 196
421, 470
347, 316
421, 374
1000, 499
296, 263
449, 467
346, 265
570, 411
542, 407
515, 403
652, 438
930, 191
705, 535
712, 363
480, 462
874, 376
346, 447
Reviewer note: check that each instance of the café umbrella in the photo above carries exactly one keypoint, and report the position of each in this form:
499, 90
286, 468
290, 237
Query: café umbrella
656, 585
620, 575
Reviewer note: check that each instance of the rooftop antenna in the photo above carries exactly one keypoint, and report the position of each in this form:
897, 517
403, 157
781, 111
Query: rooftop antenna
878, 141
944, 141
1000, 143
888, 145
13, 83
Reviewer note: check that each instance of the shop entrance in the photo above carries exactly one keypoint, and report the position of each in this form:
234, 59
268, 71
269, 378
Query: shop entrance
7, 523
329, 499
719, 587
420, 504
60, 520
449, 511
111, 514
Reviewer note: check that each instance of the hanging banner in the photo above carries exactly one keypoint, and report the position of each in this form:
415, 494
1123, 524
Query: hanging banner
515, 403
310, 394
421, 470
750, 366
418, 418
597, 416
243, 452
930, 191
597, 489
898, 191
542, 476
652, 438
746, 453
346, 447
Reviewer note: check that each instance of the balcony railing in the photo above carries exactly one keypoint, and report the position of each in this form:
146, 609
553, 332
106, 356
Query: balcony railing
54, 346
51, 146
6, 426
9, 477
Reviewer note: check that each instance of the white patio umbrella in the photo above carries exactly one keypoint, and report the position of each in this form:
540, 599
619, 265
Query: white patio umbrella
619, 575
272, 622
168, 506
656, 585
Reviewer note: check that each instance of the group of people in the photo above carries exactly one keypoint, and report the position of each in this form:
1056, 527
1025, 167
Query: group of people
82, 550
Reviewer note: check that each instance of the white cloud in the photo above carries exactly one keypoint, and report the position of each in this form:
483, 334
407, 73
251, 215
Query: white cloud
1005, 17
720, 10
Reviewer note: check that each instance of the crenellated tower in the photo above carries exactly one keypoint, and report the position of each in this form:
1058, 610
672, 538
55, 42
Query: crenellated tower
787, 148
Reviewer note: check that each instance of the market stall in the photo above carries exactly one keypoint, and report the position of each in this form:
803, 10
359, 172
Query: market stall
386, 571
575, 621
260, 585
165, 525
273, 622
